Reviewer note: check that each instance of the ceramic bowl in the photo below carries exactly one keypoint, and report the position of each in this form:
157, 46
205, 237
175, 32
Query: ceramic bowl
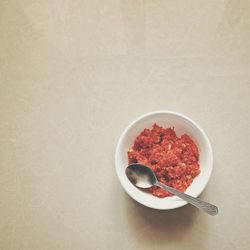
182, 124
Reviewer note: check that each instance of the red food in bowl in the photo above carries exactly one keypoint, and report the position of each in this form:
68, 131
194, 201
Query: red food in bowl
173, 159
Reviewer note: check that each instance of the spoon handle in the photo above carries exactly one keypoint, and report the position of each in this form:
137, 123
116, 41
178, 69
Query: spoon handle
205, 206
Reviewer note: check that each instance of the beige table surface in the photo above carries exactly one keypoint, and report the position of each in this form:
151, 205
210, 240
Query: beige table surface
74, 74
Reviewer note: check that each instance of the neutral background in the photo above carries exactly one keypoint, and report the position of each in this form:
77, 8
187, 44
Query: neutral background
74, 74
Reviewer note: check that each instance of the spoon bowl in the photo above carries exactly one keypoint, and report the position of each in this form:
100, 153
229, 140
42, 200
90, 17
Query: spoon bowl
141, 176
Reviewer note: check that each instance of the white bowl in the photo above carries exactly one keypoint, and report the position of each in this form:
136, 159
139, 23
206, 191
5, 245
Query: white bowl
182, 124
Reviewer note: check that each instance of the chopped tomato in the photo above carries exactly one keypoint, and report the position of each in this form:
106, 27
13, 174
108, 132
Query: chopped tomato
173, 159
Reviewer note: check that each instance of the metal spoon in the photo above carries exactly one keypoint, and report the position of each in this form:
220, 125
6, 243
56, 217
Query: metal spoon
143, 177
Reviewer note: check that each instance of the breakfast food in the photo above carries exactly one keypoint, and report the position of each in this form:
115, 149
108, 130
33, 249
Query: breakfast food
173, 159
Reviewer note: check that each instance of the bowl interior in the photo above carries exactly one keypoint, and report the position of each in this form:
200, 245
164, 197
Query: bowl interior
181, 125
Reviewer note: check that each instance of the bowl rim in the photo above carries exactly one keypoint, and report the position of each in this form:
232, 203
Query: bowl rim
122, 136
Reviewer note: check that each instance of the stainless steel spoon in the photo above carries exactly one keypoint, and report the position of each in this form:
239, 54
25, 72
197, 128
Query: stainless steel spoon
143, 177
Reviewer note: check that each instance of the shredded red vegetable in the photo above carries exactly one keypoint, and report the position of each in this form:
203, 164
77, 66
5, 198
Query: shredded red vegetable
173, 159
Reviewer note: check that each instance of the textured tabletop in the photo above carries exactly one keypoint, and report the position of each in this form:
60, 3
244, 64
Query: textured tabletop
74, 74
